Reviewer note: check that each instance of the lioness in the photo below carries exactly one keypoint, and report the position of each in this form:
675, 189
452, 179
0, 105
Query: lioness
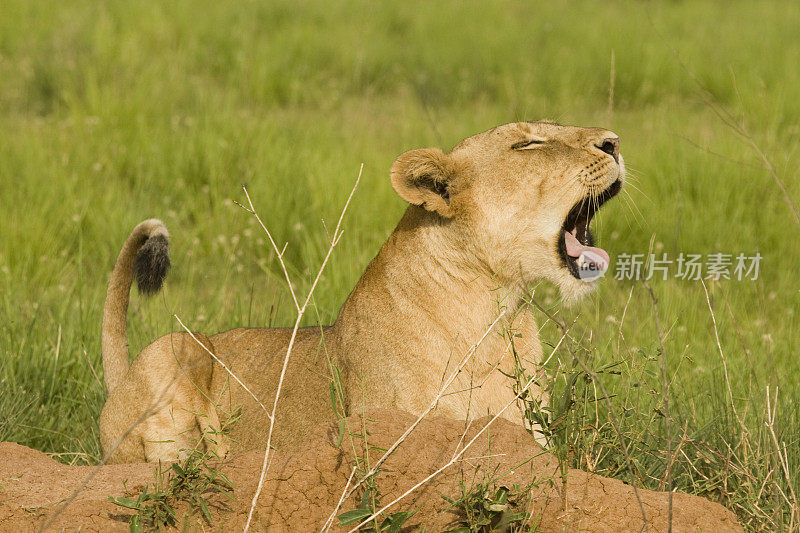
502, 210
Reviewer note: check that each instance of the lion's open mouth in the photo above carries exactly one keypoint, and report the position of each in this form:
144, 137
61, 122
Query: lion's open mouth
575, 245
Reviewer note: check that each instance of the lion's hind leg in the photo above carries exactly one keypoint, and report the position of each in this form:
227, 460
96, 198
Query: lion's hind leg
169, 435
204, 390
173, 377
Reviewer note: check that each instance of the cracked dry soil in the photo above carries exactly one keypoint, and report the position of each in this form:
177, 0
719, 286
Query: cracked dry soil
303, 487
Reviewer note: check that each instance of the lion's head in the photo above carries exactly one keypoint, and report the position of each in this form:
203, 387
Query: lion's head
517, 200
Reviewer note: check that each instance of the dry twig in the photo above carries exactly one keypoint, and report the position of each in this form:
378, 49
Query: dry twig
337, 234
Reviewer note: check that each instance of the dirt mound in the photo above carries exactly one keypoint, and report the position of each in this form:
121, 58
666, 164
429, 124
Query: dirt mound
303, 488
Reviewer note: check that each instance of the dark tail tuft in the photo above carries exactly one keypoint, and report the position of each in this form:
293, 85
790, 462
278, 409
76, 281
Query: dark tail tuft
152, 264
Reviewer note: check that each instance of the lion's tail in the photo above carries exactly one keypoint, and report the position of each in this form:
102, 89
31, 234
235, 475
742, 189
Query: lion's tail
145, 254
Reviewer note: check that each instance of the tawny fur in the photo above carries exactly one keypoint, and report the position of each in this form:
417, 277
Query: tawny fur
482, 228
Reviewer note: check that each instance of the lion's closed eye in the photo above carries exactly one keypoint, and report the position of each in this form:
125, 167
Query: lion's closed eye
528, 144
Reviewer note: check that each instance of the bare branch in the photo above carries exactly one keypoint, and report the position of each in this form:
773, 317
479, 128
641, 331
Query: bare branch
783, 457
329, 521
279, 253
217, 359
300, 312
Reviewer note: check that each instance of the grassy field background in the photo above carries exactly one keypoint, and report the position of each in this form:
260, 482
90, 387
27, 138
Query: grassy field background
118, 111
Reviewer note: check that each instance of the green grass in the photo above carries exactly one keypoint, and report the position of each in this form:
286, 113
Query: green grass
191, 483
120, 111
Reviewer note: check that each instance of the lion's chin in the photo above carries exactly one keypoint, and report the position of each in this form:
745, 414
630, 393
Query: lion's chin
573, 290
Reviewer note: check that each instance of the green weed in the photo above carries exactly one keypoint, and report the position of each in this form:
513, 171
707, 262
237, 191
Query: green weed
192, 482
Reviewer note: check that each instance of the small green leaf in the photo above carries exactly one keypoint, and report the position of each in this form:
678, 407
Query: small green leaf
355, 515
501, 496
178, 470
365, 499
516, 517
333, 396
125, 502
395, 521
341, 432
204, 509
136, 524
449, 500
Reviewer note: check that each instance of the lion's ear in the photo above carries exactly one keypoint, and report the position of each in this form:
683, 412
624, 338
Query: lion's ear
424, 177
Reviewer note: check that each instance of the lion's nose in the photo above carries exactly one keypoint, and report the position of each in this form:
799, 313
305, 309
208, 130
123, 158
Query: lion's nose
610, 145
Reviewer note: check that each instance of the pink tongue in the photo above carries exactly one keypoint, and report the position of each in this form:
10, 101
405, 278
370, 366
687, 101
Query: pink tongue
598, 256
